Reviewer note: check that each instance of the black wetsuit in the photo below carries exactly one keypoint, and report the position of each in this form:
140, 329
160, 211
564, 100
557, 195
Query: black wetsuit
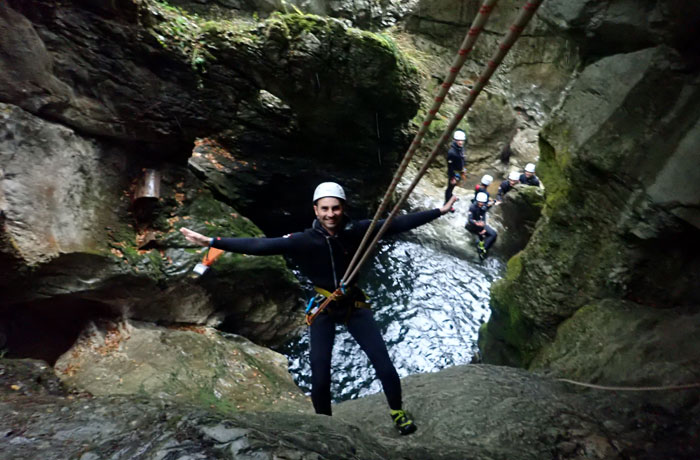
324, 258
477, 213
481, 188
455, 165
532, 180
504, 188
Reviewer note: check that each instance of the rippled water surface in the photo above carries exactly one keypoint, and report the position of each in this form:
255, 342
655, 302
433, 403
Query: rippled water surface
429, 306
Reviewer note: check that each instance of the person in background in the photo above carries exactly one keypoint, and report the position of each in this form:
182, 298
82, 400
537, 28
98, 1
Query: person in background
528, 177
455, 163
476, 224
482, 187
507, 185
323, 253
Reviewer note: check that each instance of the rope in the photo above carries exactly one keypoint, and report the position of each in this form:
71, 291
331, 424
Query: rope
526, 13
616, 388
466, 47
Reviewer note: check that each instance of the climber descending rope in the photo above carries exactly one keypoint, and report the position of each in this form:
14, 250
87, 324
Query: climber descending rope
332, 238
362, 253
467, 45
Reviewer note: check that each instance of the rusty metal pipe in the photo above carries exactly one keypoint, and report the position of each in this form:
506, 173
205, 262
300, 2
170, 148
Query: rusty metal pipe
148, 185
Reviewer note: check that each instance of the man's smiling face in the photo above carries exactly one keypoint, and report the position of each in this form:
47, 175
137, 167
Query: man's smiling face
329, 211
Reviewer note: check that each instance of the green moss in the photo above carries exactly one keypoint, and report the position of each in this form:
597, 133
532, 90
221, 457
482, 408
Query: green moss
206, 398
299, 23
514, 267
551, 168
195, 38
508, 324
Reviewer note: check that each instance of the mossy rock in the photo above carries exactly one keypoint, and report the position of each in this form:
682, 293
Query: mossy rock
193, 364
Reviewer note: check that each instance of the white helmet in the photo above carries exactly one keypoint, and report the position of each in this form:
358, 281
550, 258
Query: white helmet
459, 135
486, 179
530, 167
329, 189
514, 175
481, 197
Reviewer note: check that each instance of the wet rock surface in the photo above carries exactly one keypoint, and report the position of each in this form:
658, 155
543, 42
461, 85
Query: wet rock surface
528, 417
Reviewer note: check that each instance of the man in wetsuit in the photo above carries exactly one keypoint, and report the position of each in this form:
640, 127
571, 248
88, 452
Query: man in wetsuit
507, 185
483, 186
476, 224
528, 177
455, 162
323, 253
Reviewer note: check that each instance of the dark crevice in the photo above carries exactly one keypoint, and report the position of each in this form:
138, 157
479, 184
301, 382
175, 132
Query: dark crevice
48, 328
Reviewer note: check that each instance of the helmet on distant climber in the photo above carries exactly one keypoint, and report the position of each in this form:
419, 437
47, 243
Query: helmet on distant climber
486, 179
530, 167
329, 189
514, 175
459, 135
481, 197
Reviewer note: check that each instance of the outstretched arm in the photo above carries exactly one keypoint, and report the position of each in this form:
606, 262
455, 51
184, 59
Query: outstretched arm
416, 219
252, 246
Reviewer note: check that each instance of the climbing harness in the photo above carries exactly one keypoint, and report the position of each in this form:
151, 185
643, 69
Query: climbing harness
363, 251
320, 301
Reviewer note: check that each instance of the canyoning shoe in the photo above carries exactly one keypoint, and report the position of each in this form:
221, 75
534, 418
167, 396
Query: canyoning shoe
403, 422
481, 250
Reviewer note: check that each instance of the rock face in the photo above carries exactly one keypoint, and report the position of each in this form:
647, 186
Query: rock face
504, 122
73, 237
484, 412
92, 93
367, 14
607, 28
191, 365
517, 215
666, 352
618, 227
278, 93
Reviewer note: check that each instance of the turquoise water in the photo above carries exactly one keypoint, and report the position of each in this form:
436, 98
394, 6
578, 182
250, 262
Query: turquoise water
428, 304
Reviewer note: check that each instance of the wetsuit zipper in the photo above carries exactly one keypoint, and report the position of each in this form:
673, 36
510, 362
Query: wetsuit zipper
330, 249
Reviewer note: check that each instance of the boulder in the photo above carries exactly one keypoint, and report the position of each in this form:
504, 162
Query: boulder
188, 364
517, 214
